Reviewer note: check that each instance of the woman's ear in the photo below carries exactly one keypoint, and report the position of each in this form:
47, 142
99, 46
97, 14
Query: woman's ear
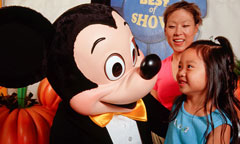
25, 38
196, 28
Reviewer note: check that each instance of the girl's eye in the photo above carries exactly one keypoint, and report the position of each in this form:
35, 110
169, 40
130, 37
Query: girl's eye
114, 67
179, 66
189, 66
133, 51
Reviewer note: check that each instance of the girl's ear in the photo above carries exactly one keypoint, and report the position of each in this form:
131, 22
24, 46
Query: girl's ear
25, 38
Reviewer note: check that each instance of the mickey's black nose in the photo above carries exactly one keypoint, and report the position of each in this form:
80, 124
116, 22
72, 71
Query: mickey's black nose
150, 66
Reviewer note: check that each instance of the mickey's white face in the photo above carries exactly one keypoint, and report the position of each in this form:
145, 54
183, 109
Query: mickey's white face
109, 58
103, 53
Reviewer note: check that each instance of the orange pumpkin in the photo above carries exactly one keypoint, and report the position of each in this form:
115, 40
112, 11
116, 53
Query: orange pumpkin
25, 125
3, 91
47, 96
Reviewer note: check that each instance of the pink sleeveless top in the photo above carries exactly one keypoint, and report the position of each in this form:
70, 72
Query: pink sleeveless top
166, 87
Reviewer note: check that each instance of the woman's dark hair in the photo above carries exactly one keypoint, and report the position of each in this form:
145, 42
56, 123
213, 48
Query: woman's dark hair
219, 62
189, 7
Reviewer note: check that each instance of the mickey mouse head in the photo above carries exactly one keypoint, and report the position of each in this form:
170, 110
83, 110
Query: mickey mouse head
88, 55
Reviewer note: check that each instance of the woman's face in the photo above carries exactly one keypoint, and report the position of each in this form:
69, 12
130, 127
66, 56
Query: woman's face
180, 30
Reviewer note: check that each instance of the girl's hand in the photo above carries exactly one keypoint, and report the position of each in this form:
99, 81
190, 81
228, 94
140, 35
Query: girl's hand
154, 94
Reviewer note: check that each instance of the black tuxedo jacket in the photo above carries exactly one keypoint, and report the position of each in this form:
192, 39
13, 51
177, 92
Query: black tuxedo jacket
70, 127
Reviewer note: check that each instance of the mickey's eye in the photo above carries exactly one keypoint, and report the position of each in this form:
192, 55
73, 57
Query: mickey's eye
133, 52
114, 67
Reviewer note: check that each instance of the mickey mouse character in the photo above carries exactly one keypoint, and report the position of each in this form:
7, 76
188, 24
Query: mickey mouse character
93, 63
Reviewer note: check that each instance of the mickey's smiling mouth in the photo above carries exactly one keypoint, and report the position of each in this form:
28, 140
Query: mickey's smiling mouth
129, 106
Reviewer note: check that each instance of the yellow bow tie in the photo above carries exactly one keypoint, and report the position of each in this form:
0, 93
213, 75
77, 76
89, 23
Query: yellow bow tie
138, 113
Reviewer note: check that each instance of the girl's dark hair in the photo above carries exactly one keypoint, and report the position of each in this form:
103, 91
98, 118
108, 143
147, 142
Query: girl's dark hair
189, 7
219, 62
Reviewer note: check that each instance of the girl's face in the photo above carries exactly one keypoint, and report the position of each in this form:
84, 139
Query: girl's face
191, 74
180, 30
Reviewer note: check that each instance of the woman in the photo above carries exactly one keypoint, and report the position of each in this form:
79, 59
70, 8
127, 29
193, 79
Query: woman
182, 20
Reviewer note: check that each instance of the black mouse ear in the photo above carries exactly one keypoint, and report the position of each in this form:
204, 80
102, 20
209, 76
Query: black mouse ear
25, 38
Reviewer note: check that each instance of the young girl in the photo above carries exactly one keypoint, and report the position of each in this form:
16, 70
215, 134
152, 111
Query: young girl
205, 112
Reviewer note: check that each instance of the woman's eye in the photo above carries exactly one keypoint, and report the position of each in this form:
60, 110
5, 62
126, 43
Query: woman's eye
133, 51
171, 26
186, 26
114, 67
